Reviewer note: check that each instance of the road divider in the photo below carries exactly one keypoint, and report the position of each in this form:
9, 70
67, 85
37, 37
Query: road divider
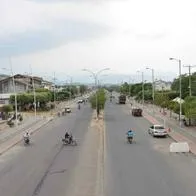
87, 177
179, 147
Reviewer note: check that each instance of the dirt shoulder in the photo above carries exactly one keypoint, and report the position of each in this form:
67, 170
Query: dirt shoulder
88, 175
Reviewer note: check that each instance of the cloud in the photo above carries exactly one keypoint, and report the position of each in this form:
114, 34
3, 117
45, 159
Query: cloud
151, 36
60, 33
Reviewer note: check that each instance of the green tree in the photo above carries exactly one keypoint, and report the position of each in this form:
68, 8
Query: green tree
6, 109
162, 100
25, 100
100, 98
124, 88
83, 89
190, 108
185, 85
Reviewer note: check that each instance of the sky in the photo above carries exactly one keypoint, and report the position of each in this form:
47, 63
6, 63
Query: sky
62, 37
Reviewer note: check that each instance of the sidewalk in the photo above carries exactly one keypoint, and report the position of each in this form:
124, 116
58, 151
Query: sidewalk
12, 131
179, 134
10, 139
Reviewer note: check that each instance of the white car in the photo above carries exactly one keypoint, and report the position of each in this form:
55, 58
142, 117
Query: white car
68, 110
157, 131
81, 101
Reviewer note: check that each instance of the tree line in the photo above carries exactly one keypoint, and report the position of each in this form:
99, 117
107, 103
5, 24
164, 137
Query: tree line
164, 98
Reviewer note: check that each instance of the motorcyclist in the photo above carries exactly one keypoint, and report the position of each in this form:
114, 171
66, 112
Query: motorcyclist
26, 136
70, 138
130, 133
78, 106
66, 135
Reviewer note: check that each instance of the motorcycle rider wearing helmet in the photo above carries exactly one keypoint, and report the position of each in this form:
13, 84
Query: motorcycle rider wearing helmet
26, 136
66, 135
130, 133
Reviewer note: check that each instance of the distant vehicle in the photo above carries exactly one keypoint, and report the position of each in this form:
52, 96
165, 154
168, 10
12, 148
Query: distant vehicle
67, 141
81, 101
122, 99
157, 131
137, 112
68, 110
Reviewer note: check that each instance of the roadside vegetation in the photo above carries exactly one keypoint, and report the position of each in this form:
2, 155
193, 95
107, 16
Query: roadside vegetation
45, 98
164, 98
98, 100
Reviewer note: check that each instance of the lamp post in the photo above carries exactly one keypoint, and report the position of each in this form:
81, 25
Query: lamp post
34, 93
54, 79
153, 87
14, 88
95, 76
180, 87
142, 87
70, 84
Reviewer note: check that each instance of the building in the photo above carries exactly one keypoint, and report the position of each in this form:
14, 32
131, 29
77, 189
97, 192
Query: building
47, 85
3, 76
4, 99
23, 83
162, 85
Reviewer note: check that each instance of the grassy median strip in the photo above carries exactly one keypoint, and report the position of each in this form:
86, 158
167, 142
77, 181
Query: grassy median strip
87, 179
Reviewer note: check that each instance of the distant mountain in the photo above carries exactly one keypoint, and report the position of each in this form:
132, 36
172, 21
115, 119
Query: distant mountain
3, 76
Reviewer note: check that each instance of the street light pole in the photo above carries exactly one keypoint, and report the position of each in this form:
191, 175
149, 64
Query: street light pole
34, 93
70, 87
95, 75
15, 95
180, 87
142, 88
189, 67
130, 86
54, 92
153, 88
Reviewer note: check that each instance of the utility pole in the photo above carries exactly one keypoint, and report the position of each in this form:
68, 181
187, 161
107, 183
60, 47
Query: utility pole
153, 88
15, 93
180, 87
189, 67
143, 89
34, 93
54, 93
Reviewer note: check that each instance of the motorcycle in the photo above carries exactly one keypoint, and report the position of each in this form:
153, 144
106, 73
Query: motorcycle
68, 141
130, 139
26, 140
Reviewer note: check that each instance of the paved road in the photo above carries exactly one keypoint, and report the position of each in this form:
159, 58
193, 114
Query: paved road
144, 168
44, 168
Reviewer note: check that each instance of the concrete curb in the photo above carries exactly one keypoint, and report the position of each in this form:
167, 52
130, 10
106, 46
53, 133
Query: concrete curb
177, 137
18, 138
100, 170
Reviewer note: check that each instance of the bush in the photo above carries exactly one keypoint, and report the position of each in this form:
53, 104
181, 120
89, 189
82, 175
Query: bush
7, 108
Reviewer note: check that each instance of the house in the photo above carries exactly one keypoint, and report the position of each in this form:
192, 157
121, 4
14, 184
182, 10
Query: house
23, 83
4, 99
162, 85
3, 76
47, 85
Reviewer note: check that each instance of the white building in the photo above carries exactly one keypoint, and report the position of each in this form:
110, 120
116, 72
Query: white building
162, 85
4, 99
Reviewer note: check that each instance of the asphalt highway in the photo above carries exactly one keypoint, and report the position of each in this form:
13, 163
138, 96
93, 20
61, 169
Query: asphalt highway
144, 168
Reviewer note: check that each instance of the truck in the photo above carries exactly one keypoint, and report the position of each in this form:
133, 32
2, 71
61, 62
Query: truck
122, 99
137, 112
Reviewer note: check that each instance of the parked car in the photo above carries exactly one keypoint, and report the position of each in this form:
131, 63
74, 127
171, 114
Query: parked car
157, 131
